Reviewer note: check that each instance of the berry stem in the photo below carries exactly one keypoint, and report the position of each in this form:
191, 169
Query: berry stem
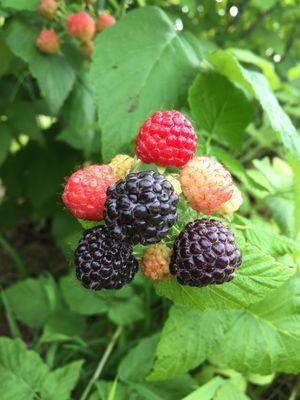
101, 363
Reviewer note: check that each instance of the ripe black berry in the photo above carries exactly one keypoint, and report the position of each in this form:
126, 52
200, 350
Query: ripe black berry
204, 253
102, 261
141, 208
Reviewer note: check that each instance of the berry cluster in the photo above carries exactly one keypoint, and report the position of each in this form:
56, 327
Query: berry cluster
139, 206
82, 25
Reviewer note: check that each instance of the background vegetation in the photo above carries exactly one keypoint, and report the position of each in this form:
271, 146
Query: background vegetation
233, 68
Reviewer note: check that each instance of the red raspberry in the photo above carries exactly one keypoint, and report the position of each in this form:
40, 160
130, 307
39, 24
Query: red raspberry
85, 192
206, 184
48, 42
104, 20
81, 26
166, 138
47, 8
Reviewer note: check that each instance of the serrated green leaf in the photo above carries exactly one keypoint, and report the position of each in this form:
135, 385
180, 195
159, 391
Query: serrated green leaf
22, 372
226, 64
262, 339
54, 73
150, 76
220, 108
116, 303
60, 382
258, 275
20, 297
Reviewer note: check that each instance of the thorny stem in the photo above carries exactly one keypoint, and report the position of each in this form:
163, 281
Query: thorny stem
101, 364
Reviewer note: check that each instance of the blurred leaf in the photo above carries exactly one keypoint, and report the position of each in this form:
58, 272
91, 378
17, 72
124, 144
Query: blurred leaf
138, 361
54, 73
282, 207
230, 391
149, 85
6, 57
62, 326
22, 372
33, 300
260, 233
80, 131
5, 141
267, 67
225, 63
220, 108
117, 303
295, 165
30, 5
207, 391
294, 73
59, 383
263, 5
258, 275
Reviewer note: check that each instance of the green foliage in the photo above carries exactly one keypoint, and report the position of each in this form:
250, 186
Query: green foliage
150, 77
237, 80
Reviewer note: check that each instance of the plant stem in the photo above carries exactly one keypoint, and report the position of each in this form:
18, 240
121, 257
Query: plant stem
14, 255
101, 364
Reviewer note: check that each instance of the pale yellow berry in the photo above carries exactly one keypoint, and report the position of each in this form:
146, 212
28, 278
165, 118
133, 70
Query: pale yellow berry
233, 204
156, 262
121, 164
175, 183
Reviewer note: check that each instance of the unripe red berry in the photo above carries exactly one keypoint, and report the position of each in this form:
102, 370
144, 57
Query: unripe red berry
47, 8
103, 21
48, 42
81, 26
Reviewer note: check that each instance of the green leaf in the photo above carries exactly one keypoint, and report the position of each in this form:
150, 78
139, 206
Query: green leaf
22, 372
267, 67
263, 5
226, 64
123, 306
207, 391
295, 165
282, 207
261, 339
5, 141
258, 275
80, 131
230, 391
184, 344
265, 337
128, 89
20, 298
54, 74
29, 5
138, 362
59, 383
62, 326
6, 57
220, 108
263, 235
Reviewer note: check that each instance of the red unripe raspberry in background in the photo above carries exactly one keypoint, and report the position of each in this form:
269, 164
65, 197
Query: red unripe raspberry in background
48, 42
81, 26
167, 138
47, 8
85, 191
103, 21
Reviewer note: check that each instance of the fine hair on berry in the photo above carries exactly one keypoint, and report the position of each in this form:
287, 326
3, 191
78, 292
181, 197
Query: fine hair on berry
102, 261
205, 253
141, 208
